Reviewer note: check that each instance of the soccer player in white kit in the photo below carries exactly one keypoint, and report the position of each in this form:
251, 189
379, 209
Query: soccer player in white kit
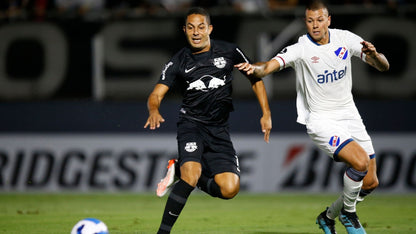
322, 61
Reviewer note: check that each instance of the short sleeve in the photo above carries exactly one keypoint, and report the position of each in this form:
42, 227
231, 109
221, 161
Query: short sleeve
288, 56
354, 43
169, 73
240, 57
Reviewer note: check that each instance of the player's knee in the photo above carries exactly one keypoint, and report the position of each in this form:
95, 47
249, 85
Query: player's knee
191, 180
374, 185
229, 192
362, 163
361, 166
370, 184
229, 184
190, 177
190, 173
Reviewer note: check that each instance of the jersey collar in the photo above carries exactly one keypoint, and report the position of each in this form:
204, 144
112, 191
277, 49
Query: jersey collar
314, 42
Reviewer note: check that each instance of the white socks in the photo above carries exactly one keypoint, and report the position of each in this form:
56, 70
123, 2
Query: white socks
353, 180
335, 208
351, 190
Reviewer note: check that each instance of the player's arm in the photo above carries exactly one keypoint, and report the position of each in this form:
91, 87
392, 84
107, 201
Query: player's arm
375, 59
266, 120
153, 103
259, 69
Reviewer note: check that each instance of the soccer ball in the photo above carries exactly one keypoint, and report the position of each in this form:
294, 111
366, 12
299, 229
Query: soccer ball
90, 226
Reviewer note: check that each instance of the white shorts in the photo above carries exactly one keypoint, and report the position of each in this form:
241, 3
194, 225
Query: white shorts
332, 135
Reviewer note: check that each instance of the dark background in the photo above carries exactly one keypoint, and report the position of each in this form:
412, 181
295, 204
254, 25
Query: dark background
72, 107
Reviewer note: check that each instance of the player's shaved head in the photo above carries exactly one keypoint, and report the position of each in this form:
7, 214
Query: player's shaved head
315, 5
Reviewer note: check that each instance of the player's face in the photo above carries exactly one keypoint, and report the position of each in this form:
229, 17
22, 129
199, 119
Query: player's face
197, 31
317, 23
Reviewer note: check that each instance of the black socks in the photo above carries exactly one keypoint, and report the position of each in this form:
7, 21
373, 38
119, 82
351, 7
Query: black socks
209, 186
174, 205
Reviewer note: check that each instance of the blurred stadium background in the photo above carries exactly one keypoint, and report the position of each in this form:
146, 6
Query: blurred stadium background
75, 75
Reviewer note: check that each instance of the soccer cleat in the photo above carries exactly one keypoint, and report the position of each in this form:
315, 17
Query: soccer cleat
351, 222
325, 223
167, 182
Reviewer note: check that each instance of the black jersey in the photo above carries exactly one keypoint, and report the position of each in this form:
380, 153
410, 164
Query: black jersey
207, 81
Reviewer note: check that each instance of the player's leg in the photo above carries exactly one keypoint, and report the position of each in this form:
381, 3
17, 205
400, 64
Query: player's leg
335, 208
370, 181
225, 185
327, 136
229, 184
361, 136
190, 172
190, 149
221, 175
221, 172
208, 185
358, 163
335, 139
355, 157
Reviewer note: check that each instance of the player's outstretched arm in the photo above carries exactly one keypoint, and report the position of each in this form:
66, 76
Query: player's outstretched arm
153, 104
260, 69
375, 59
266, 119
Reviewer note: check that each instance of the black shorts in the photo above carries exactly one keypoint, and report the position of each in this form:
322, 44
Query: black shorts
209, 145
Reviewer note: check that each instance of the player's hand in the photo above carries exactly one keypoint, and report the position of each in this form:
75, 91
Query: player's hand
266, 126
154, 121
368, 48
245, 67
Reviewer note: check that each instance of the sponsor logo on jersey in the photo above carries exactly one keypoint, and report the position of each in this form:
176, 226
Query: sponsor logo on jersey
331, 76
334, 141
220, 62
342, 53
191, 147
165, 69
206, 83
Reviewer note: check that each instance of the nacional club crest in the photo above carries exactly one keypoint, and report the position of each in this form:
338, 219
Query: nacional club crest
191, 147
334, 141
220, 62
341, 52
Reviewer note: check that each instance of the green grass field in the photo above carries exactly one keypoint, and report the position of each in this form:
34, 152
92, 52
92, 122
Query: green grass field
141, 213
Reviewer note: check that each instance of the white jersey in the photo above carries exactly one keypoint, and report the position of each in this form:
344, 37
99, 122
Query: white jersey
323, 74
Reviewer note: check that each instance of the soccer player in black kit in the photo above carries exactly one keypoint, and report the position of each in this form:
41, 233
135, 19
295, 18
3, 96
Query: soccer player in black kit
207, 158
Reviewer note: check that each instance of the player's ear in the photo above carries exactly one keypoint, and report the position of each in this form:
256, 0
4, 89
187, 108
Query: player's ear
210, 28
184, 28
329, 20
